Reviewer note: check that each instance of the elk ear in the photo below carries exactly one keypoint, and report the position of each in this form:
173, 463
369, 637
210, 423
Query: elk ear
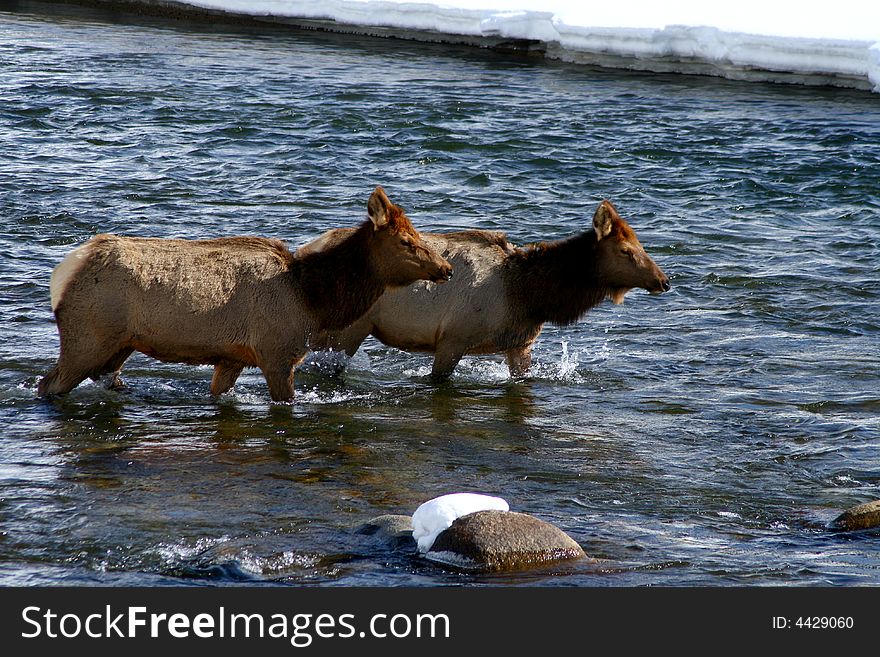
377, 208
603, 220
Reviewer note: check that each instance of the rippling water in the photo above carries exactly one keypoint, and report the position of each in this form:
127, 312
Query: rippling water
702, 437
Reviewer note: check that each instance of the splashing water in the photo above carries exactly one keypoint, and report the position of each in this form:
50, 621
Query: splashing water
564, 370
568, 363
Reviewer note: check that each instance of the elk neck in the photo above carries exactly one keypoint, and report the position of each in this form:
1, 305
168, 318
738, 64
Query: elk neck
557, 281
339, 283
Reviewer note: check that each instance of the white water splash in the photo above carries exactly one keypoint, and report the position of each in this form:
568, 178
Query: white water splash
478, 369
174, 553
317, 396
565, 369
275, 564
328, 362
568, 363
483, 369
424, 370
259, 396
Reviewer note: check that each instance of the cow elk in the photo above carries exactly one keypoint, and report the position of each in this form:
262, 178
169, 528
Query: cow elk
502, 295
232, 302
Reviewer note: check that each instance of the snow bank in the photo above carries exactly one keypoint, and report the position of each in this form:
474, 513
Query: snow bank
806, 42
438, 514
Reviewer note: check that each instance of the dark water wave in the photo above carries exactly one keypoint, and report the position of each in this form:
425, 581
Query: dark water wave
702, 437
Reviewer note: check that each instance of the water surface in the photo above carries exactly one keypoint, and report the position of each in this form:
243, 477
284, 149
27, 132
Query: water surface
703, 437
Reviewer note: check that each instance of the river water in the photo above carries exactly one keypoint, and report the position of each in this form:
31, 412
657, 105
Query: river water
701, 437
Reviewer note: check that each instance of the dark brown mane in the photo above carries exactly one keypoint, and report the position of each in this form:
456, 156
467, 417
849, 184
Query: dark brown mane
339, 283
557, 281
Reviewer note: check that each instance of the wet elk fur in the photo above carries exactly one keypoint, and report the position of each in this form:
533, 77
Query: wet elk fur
231, 302
502, 295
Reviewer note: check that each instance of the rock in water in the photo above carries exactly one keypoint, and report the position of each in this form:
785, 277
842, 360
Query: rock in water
502, 540
395, 531
863, 516
437, 514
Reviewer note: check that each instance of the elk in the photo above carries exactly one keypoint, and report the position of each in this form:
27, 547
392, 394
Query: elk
231, 302
502, 295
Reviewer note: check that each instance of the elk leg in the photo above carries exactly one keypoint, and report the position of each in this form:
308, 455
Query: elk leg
519, 361
225, 376
84, 353
113, 367
64, 377
354, 338
445, 361
279, 376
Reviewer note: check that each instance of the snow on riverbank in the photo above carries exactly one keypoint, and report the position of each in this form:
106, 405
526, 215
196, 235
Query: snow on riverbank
784, 40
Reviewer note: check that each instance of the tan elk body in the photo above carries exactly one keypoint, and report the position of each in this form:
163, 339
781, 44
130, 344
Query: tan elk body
231, 302
502, 295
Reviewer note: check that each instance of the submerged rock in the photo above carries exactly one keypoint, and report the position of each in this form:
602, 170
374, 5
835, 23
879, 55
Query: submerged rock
502, 540
863, 516
396, 531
